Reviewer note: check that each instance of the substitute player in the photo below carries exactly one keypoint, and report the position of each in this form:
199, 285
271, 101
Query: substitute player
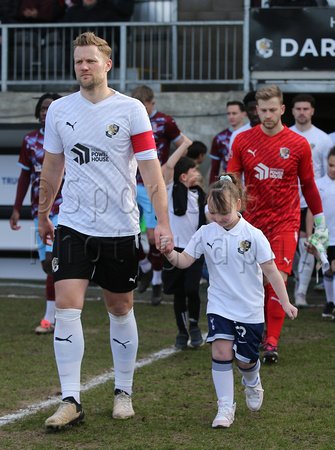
272, 157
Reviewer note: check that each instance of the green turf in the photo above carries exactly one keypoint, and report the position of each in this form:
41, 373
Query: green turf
174, 398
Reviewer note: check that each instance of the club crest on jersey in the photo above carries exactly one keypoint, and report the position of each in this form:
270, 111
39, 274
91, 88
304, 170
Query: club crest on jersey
55, 265
244, 247
284, 152
112, 130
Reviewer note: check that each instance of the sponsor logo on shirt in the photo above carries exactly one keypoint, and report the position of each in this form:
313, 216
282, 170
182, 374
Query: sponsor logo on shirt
86, 155
71, 125
37, 168
244, 247
253, 152
263, 172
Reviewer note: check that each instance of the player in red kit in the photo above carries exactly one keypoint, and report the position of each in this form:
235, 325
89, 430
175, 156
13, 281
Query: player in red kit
272, 157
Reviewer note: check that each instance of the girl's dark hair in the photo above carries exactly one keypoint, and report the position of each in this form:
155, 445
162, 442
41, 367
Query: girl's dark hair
222, 194
183, 165
331, 153
41, 100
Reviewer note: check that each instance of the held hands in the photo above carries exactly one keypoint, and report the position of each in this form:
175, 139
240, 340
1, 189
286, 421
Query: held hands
160, 232
165, 242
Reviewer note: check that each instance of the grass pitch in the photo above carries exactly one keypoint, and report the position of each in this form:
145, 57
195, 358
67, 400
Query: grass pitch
174, 397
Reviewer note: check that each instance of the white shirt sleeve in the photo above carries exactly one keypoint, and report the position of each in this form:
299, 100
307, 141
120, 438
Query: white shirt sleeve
52, 140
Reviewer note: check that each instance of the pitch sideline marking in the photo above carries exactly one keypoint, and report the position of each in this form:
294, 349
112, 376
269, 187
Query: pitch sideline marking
97, 381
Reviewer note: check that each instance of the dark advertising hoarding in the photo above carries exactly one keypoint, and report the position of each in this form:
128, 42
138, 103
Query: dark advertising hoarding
283, 39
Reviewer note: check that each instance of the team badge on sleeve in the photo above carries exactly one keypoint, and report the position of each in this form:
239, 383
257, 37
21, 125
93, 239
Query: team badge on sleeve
112, 130
284, 153
244, 247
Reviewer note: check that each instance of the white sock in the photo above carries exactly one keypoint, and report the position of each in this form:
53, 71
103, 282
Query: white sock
50, 311
306, 266
124, 344
69, 350
329, 288
145, 265
250, 376
223, 378
156, 277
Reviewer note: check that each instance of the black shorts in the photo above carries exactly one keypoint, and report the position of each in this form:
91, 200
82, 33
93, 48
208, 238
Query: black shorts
111, 262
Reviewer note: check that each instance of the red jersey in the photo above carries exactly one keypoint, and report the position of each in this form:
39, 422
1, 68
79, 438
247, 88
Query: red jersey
271, 166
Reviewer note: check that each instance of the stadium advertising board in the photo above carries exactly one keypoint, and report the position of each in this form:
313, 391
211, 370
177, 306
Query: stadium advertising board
283, 39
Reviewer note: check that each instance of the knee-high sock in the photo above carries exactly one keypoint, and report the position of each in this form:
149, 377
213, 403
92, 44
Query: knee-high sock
329, 288
50, 304
223, 378
250, 376
69, 350
275, 316
124, 344
305, 267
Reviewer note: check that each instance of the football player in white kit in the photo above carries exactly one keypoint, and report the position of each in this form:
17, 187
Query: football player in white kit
100, 137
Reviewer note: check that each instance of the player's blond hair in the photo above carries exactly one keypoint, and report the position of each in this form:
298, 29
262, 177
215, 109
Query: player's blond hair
268, 92
89, 38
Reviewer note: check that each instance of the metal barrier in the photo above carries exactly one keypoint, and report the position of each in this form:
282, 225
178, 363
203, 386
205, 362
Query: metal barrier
175, 53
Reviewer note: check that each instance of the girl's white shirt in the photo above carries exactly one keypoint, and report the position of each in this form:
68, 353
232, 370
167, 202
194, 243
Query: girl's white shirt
233, 259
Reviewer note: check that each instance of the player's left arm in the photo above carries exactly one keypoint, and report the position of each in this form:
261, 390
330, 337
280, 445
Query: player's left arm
271, 272
312, 196
153, 181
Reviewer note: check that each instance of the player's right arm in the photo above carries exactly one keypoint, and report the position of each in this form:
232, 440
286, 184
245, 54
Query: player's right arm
51, 179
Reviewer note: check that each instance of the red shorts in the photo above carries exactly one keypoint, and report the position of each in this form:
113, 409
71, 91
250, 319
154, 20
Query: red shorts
284, 245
